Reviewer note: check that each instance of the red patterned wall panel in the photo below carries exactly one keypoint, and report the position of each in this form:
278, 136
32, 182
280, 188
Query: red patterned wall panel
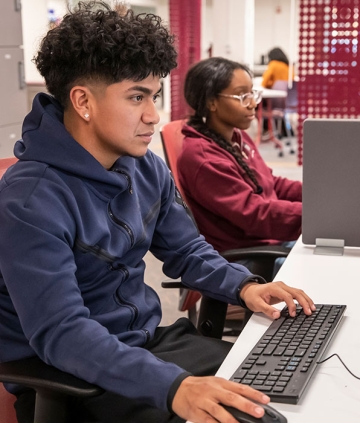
329, 71
185, 23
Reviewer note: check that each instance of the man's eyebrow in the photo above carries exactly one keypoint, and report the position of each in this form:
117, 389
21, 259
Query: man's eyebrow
144, 90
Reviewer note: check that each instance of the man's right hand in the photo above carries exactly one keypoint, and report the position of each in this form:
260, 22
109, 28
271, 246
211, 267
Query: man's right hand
199, 400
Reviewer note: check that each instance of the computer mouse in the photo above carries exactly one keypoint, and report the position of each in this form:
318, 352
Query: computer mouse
271, 415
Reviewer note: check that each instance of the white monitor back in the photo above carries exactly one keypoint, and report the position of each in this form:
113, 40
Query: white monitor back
331, 180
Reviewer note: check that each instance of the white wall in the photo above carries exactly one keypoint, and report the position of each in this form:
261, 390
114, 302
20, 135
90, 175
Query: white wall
232, 27
273, 28
226, 24
35, 24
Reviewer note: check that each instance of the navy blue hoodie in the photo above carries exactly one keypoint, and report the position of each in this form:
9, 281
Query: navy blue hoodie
72, 240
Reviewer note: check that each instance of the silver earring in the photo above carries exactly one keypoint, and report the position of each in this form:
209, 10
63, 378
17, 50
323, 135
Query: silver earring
86, 115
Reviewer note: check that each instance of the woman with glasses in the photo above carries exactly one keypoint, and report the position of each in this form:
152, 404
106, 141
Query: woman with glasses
235, 198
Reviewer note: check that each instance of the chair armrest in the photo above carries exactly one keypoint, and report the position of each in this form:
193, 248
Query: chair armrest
188, 297
212, 312
263, 258
34, 373
265, 251
172, 284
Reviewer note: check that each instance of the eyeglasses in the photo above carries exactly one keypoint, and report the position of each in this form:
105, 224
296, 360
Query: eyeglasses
245, 99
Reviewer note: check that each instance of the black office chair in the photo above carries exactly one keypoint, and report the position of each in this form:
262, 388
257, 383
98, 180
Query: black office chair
53, 388
262, 258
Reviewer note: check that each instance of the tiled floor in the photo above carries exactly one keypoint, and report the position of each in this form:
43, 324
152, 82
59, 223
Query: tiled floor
283, 166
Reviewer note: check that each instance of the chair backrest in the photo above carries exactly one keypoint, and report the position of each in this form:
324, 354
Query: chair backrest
291, 102
280, 84
7, 400
279, 103
172, 140
6, 163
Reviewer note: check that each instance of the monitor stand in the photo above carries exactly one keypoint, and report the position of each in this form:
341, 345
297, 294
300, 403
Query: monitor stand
331, 247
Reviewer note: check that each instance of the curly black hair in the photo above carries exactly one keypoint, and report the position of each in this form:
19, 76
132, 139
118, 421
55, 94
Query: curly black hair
97, 43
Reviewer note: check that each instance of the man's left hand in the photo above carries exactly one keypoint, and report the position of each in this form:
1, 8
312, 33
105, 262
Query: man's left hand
261, 297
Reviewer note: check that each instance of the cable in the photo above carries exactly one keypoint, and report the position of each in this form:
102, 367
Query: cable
328, 358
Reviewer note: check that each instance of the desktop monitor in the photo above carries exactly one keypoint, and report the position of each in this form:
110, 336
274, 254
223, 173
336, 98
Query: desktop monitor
331, 181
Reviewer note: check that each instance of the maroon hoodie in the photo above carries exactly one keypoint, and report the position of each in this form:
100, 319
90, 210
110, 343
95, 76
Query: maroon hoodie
223, 199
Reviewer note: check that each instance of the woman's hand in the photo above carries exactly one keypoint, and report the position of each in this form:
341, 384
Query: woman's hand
260, 297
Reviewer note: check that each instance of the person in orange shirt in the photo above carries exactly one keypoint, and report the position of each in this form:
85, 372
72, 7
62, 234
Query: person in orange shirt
278, 68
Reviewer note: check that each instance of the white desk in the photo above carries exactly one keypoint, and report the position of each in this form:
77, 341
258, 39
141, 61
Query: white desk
333, 395
270, 93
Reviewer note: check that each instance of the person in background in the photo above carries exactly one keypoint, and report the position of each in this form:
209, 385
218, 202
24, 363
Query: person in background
80, 209
234, 196
277, 69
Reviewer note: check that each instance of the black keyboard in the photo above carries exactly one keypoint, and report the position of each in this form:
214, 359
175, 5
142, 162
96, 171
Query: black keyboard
284, 359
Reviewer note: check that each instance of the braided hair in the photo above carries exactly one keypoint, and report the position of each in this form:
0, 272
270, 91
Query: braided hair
204, 81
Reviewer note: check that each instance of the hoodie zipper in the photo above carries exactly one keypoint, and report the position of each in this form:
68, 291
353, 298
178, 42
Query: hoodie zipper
127, 303
128, 179
122, 224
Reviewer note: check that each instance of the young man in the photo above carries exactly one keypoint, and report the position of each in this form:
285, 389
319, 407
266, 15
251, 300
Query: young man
79, 211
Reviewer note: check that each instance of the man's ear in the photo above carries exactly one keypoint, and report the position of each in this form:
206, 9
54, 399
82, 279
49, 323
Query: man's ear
79, 98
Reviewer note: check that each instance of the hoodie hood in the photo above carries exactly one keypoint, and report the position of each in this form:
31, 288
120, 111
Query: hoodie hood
45, 139
189, 131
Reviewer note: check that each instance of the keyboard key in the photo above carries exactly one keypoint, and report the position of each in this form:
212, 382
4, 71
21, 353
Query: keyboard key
269, 383
287, 374
281, 384
240, 374
247, 366
269, 349
264, 388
